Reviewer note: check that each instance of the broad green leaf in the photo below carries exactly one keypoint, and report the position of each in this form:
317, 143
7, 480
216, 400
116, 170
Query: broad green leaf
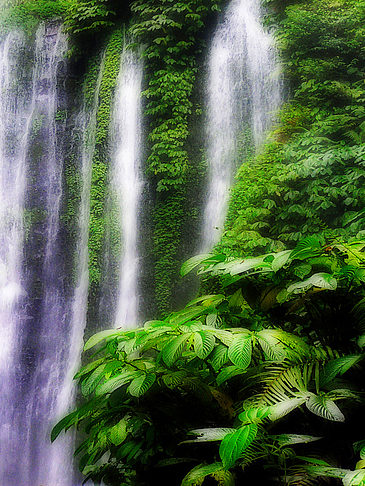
203, 344
196, 476
62, 424
254, 415
241, 266
219, 356
141, 384
174, 349
89, 367
174, 379
155, 324
233, 445
290, 439
314, 460
280, 259
237, 299
360, 464
118, 433
360, 448
209, 434
279, 345
302, 270
227, 373
116, 381
240, 351
192, 263
186, 315
281, 409
354, 478
337, 367
211, 320
99, 336
212, 300
322, 280
323, 407
226, 337
89, 384
82, 412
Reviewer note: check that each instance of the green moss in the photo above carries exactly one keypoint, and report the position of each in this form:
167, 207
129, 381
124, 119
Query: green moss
27, 14
173, 35
100, 160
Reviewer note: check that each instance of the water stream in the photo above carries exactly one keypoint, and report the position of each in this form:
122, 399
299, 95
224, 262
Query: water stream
61, 463
127, 182
15, 118
243, 93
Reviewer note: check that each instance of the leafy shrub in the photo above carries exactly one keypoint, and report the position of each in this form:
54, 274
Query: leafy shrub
211, 389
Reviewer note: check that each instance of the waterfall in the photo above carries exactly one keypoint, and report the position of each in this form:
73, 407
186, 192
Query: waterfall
15, 117
244, 91
38, 380
127, 181
61, 471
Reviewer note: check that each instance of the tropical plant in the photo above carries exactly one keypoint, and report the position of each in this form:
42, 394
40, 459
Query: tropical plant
207, 391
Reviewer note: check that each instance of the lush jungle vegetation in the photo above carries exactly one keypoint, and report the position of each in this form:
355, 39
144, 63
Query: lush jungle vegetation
260, 381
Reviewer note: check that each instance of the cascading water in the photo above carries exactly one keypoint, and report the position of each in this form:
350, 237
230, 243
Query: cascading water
127, 182
15, 118
49, 348
244, 88
61, 470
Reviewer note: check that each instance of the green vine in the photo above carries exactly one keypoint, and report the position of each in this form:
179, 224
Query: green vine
100, 165
172, 32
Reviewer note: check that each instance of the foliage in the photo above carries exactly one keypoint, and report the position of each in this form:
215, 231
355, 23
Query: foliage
234, 357
97, 223
90, 15
309, 177
27, 14
172, 33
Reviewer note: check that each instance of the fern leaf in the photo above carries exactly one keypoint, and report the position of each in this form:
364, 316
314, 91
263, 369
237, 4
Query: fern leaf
224, 478
307, 248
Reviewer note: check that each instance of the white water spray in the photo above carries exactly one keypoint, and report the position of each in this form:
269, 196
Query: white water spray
127, 182
244, 88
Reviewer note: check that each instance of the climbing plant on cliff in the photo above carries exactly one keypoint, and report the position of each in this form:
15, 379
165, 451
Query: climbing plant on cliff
172, 32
